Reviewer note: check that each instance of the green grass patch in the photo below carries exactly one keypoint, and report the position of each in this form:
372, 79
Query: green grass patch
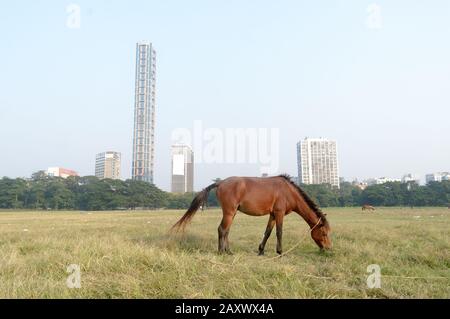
131, 255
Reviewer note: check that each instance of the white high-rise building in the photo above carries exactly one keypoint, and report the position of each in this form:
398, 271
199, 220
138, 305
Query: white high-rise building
437, 177
410, 178
317, 161
144, 113
107, 165
182, 169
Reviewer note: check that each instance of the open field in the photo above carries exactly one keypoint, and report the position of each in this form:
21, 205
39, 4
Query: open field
130, 255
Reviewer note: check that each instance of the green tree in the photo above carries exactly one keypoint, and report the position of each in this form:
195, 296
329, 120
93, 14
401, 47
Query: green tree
12, 192
349, 195
145, 195
58, 196
375, 195
179, 201
440, 192
36, 196
323, 194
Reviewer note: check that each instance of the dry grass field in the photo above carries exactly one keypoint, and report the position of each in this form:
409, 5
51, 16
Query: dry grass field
131, 255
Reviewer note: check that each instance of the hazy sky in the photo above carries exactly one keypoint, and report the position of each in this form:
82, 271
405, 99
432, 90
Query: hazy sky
309, 68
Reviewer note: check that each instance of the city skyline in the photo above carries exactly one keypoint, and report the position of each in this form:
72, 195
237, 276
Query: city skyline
375, 95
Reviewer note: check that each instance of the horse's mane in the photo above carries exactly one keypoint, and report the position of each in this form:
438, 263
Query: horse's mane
306, 197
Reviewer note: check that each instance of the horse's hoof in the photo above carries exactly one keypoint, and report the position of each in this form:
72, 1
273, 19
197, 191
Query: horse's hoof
229, 252
261, 253
279, 252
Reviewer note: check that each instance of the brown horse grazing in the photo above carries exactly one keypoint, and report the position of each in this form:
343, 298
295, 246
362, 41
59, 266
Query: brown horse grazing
256, 196
367, 207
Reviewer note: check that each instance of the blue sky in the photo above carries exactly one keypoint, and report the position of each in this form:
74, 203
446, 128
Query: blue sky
309, 68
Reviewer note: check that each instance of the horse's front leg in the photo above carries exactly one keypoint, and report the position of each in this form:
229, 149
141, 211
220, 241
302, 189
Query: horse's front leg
267, 233
279, 222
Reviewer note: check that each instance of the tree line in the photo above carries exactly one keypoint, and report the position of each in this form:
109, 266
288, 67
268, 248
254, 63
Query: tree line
87, 193
90, 193
387, 194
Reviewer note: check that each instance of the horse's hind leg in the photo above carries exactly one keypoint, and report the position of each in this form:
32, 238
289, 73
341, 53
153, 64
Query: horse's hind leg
279, 222
223, 230
267, 233
227, 243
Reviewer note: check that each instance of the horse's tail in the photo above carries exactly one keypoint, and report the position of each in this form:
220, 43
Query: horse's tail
199, 200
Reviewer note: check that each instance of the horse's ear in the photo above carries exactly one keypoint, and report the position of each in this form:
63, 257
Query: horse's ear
324, 214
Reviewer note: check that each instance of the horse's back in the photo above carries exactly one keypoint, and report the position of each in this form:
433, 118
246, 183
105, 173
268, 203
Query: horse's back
253, 195
250, 184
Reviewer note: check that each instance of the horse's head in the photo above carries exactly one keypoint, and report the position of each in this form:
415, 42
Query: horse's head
321, 234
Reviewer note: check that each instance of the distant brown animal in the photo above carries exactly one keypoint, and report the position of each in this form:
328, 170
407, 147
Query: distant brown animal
367, 207
275, 196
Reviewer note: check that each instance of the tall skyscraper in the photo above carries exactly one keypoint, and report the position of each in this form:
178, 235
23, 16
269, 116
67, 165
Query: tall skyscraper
107, 165
182, 169
317, 161
144, 113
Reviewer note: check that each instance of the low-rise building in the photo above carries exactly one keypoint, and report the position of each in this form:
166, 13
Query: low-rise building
60, 172
381, 180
